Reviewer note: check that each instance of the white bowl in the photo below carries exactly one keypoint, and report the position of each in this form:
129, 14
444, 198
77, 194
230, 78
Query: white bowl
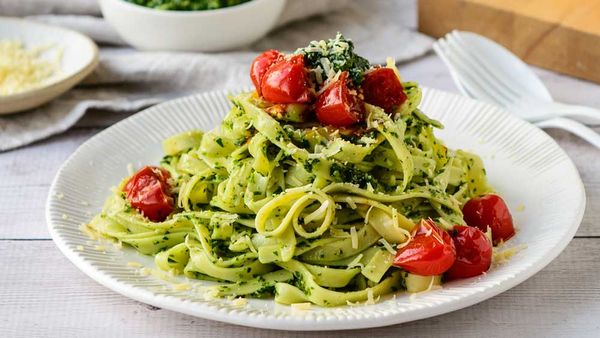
198, 31
79, 58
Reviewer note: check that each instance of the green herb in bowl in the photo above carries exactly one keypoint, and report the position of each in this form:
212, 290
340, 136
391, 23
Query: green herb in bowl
187, 5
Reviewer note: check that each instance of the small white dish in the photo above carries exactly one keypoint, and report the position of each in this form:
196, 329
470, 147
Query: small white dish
195, 31
523, 163
79, 58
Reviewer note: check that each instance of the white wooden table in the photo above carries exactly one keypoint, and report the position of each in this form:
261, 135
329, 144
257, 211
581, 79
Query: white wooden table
43, 294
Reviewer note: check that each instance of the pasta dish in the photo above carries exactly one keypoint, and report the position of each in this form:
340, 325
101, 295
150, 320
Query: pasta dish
324, 185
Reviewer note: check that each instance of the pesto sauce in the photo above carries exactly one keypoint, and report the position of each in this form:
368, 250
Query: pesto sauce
187, 5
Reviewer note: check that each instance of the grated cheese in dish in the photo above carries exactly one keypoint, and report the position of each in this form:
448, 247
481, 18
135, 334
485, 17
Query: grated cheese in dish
22, 69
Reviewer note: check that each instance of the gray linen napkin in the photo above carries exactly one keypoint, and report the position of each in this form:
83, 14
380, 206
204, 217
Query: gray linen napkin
127, 80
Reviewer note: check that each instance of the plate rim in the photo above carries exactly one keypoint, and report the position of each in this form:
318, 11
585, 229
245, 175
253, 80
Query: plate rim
299, 323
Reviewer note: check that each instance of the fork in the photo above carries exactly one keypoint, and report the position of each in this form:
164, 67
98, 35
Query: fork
486, 71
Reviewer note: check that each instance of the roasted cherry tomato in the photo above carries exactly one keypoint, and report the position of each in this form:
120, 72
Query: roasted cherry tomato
338, 106
148, 192
430, 252
286, 81
490, 210
473, 253
381, 87
261, 64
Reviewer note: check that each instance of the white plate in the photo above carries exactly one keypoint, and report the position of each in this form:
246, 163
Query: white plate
80, 57
525, 165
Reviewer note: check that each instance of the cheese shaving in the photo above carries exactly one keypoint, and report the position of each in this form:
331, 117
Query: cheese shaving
370, 187
181, 287
501, 255
367, 214
239, 302
370, 299
351, 203
317, 214
130, 170
356, 262
301, 306
387, 246
354, 237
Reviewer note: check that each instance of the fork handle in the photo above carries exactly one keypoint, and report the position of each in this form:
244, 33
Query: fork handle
574, 127
589, 114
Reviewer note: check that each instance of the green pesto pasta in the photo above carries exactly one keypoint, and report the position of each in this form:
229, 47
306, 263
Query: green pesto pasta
301, 212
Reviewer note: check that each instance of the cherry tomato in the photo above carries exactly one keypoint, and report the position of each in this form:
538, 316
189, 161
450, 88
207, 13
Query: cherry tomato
473, 253
148, 192
286, 81
381, 87
261, 64
490, 210
337, 106
430, 252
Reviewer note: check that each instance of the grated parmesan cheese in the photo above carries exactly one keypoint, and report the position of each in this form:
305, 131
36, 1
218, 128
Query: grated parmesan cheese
130, 170
22, 70
118, 244
370, 299
501, 255
370, 187
300, 306
387, 246
317, 214
181, 287
368, 213
134, 264
354, 237
351, 203
391, 63
210, 294
80, 247
520, 208
356, 262
239, 302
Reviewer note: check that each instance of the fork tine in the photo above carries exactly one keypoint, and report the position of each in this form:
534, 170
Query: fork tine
481, 76
472, 82
453, 72
462, 80
501, 79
